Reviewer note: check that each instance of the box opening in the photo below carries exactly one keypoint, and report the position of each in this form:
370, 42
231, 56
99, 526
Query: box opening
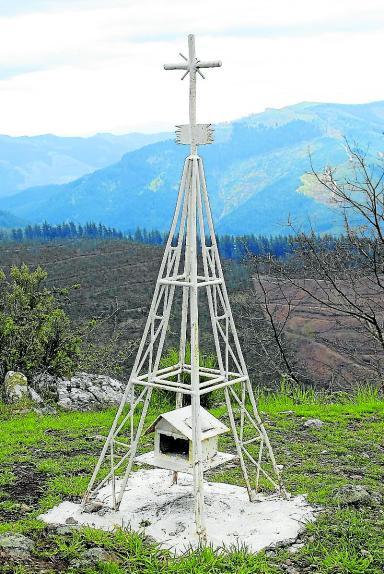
176, 446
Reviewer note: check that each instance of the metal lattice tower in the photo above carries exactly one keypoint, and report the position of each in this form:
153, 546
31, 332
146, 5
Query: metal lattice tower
191, 237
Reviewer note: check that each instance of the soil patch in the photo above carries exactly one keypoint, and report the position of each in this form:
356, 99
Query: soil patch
26, 489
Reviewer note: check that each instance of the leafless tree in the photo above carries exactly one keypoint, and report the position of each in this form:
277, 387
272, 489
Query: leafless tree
338, 281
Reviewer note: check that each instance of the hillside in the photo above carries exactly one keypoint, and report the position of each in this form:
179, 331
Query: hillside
255, 173
106, 273
115, 279
42, 160
330, 347
114, 282
9, 220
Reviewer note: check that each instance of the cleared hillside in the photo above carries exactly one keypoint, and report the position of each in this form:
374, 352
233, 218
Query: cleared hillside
113, 283
114, 279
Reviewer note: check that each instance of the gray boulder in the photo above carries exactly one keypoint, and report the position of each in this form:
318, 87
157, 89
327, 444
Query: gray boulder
93, 506
46, 385
82, 392
65, 530
71, 520
355, 495
95, 555
34, 396
15, 547
15, 387
313, 423
45, 410
92, 557
86, 392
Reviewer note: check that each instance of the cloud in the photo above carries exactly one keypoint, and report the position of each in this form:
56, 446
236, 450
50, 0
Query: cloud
14, 7
87, 66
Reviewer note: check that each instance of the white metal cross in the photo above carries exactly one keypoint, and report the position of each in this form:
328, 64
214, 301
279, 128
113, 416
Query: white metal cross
191, 238
192, 65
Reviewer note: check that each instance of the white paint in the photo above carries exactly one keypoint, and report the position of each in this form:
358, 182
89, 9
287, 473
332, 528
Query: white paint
191, 66
181, 420
202, 134
179, 465
230, 517
178, 424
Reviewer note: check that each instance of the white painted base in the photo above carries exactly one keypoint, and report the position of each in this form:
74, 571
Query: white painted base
165, 512
180, 465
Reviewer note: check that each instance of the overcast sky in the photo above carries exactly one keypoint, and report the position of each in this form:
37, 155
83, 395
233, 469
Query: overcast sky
77, 67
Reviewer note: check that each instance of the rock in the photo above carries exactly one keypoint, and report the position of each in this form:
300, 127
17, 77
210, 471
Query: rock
103, 511
46, 410
64, 530
313, 423
96, 555
34, 396
82, 392
15, 387
93, 506
92, 557
286, 412
71, 520
25, 508
87, 392
46, 385
15, 546
295, 547
355, 495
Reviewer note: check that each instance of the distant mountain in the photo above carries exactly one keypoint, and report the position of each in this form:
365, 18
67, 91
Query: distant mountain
42, 160
9, 220
255, 174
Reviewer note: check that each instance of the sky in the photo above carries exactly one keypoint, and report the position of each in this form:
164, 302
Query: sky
78, 67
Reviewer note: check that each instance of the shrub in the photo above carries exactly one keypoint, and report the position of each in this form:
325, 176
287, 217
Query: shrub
35, 332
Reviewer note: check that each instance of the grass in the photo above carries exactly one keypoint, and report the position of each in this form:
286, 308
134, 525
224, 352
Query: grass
44, 459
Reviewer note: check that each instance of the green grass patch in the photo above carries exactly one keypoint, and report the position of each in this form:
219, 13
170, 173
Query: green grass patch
45, 459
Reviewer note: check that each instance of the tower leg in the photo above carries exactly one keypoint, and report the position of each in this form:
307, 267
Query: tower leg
198, 484
198, 470
134, 446
251, 494
266, 440
109, 440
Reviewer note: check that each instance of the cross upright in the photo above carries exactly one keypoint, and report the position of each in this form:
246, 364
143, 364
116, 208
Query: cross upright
192, 66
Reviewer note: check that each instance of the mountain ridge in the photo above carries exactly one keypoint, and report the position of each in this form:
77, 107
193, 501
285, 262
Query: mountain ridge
9, 221
27, 161
256, 174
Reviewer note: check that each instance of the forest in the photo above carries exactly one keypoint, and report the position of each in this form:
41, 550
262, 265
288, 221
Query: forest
231, 246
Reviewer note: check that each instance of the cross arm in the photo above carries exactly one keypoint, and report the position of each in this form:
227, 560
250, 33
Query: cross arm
176, 67
212, 64
186, 66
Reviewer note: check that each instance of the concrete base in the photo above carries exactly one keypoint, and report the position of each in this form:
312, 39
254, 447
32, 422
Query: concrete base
165, 512
179, 465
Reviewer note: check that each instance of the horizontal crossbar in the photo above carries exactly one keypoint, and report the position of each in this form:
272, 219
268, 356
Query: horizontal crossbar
189, 284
